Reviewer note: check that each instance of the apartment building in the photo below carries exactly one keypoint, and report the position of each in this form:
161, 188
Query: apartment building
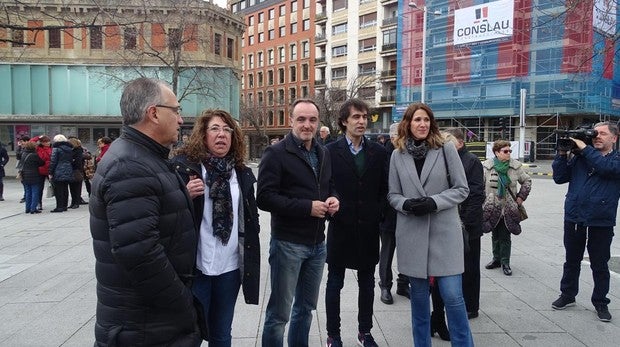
479, 55
63, 63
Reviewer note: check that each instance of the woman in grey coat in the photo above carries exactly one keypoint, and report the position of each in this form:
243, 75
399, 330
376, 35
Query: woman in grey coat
426, 184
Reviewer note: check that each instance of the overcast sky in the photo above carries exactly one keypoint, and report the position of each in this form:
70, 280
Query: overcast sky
221, 3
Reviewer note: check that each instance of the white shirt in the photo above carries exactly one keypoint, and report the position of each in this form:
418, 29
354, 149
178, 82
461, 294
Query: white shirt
213, 257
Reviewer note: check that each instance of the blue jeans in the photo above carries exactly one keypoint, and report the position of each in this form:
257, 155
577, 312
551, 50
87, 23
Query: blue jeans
296, 272
451, 291
598, 241
218, 295
32, 197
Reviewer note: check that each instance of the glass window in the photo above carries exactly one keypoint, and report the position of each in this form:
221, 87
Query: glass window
270, 77
251, 40
367, 45
272, 13
261, 17
306, 3
292, 93
272, 34
282, 10
230, 47
282, 31
129, 36
96, 37
305, 46
305, 72
293, 51
293, 73
340, 5
261, 59
339, 51
54, 38
281, 54
368, 20
339, 28
281, 120
251, 61
270, 57
367, 69
217, 42
261, 37
306, 24
339, 72
293, 28
175, 39
250, 80
389, 36
293, 6
281, 75
251, 20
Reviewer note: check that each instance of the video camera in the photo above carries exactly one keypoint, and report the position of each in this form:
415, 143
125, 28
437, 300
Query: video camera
583, 133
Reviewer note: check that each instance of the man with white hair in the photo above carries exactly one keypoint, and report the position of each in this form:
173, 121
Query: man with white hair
324, 137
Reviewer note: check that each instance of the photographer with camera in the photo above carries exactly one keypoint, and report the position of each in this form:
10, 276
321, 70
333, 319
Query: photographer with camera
593, 173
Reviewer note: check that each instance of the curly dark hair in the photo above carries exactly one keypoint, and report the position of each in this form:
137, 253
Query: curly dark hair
195, 147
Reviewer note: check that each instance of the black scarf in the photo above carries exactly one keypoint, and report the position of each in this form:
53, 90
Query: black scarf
219, 171
418, 151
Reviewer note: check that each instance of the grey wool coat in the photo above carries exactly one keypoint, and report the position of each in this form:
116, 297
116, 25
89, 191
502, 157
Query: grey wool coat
429, 245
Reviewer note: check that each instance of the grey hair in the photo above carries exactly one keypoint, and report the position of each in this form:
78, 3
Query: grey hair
393, 130
456, 132
138, 96
613, 128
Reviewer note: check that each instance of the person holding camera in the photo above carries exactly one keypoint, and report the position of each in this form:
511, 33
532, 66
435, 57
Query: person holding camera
501, 214
593, 176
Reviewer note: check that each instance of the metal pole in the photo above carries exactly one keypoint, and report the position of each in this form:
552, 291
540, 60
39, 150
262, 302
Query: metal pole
423, 84
522, 126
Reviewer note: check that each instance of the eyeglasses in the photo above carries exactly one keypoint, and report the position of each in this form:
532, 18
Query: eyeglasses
216, 129
175, 109
506, 151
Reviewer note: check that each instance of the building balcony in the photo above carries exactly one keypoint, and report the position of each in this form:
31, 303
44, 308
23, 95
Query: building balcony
319, 61
389, 21
318, 83
388, 48
388, 74
320, 39
320, 17
388, 2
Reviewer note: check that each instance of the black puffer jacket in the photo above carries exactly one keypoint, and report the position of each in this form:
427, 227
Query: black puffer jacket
249, 243
30, 167
145, 247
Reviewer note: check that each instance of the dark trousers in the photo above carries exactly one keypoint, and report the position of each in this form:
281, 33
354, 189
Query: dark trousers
598, 241
386, 255
61, 193
365, 299
87, 185
500, 236
471, 276
76, 192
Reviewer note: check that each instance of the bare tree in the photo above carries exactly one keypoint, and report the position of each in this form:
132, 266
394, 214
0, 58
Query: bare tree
331, 98
169, 39
258, 118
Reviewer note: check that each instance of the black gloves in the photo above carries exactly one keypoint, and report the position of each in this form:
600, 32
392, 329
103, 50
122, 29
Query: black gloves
420, 206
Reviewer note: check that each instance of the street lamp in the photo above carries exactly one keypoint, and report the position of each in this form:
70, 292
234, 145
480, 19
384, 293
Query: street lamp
424, 18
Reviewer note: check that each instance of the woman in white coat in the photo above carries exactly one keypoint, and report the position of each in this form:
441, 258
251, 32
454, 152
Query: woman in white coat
426, 184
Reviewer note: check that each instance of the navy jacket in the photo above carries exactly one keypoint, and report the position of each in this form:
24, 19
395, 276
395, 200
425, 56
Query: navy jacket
287, 186
61, 164
593, 188
353, 234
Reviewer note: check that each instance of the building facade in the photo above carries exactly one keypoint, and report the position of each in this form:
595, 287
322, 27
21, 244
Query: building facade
63, 63
480, 55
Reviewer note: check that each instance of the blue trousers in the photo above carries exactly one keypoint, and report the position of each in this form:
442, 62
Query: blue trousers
218, 295
296, 272
598, 241
32, 197
451, 291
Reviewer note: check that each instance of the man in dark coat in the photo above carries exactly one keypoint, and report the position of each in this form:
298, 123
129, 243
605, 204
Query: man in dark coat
360, 172
144, 237
4, 158
470, 212
295, 185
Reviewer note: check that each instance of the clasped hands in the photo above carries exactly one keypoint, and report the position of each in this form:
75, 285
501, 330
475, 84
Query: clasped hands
420, 206
321, 208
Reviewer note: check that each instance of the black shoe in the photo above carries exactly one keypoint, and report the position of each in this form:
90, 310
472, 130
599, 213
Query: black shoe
494, 264
74, 206
438, 325
603, 313
472, 315
57, 210
2, 199
35, 212
507, 270
334, 341
82, 202
563, 302
403, 290
21, 201
386, 296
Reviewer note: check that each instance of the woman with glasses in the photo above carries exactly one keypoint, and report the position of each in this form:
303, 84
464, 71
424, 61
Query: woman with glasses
426, 184
222, 189
501, 211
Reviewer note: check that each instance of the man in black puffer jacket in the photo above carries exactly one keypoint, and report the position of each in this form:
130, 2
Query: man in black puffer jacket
144, 237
